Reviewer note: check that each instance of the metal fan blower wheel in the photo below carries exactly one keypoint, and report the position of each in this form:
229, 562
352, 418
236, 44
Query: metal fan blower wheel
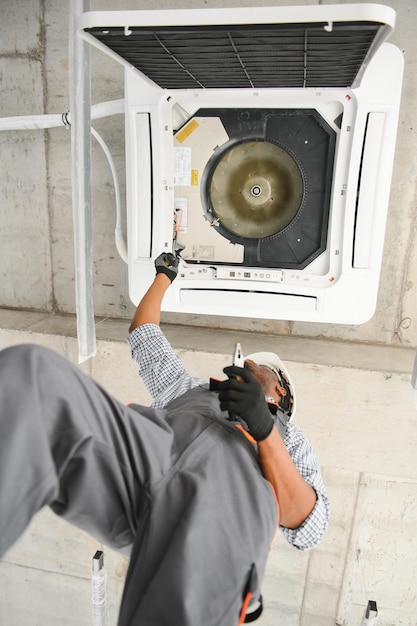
256, 189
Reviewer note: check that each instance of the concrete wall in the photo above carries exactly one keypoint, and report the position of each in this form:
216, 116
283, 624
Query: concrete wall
38, 273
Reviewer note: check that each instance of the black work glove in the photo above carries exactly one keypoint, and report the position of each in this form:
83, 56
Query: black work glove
167, 263
243, 395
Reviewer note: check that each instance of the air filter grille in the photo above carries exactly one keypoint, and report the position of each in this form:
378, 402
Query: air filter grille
246, 56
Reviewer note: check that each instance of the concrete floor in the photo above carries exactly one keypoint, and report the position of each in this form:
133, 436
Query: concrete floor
354, 395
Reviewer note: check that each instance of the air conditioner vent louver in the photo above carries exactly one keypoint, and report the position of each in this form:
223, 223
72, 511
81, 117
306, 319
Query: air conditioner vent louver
245, 56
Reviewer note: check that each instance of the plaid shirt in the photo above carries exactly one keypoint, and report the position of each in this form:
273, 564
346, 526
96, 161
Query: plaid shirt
165, 378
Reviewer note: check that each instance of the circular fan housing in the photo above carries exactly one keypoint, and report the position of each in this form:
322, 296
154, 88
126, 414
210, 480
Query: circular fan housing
255, 190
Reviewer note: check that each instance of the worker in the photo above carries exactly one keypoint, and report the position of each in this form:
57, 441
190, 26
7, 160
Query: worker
191, 488
285, 457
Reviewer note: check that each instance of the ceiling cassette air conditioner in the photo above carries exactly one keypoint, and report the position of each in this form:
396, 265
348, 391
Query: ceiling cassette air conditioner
261, 141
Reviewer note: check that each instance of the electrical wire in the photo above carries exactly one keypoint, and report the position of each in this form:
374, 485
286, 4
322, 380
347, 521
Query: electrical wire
118, 233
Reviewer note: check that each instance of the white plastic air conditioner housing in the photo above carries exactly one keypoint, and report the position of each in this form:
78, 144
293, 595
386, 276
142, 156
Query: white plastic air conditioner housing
329, 63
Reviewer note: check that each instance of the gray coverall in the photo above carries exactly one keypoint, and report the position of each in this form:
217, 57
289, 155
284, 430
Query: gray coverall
180, 489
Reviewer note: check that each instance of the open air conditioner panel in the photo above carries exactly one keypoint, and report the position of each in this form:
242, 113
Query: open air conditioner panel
241, 56
265, 185
262, 140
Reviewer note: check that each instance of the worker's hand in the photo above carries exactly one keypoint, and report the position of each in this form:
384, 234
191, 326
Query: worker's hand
167, 263
243, 395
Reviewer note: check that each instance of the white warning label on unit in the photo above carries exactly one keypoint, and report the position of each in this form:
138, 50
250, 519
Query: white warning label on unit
182, 166
181, 214
204, 252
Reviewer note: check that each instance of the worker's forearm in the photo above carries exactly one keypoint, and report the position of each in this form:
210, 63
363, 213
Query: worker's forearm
149, 308
296, 498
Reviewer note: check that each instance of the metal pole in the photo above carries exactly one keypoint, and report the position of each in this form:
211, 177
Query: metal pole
99, 590
80, 105
370, 617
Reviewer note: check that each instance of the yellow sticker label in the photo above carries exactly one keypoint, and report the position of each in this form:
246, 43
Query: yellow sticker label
186, 131
194, 177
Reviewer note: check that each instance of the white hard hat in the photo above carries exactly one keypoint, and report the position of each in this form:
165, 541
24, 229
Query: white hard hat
272, 360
